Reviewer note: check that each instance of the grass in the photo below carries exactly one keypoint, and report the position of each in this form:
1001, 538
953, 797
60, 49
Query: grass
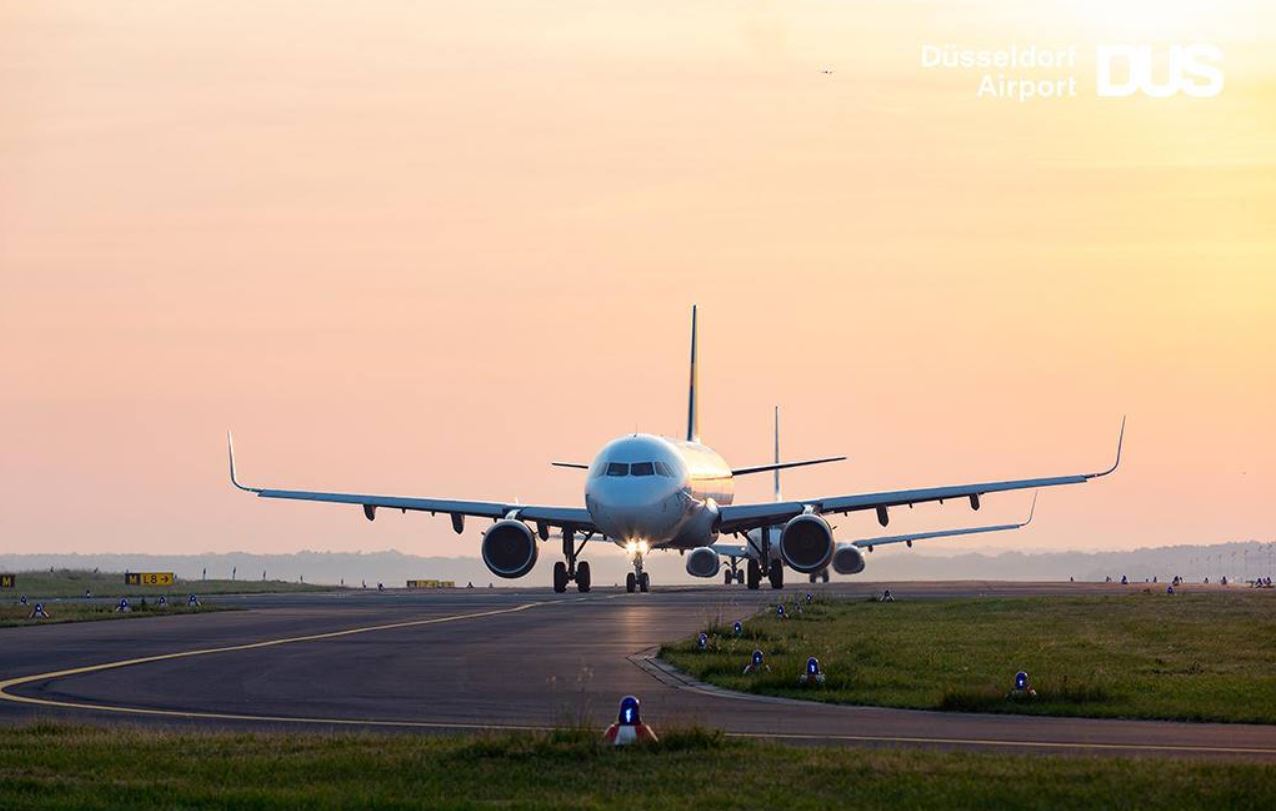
14, 615
73, 582
1205, 656
47, 766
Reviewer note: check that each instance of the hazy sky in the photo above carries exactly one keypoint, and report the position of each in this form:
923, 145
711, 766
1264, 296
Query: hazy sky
425, 249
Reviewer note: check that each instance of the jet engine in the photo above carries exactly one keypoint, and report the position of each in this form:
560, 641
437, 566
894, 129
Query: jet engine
509, 548
806, 543
703, 562
848, 559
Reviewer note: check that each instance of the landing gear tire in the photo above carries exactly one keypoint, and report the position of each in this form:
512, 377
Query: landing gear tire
739, 577
644, 582
582, 577
560, 577
729, 578
825, 576
776, 575
755, 575
631, 582
812, 576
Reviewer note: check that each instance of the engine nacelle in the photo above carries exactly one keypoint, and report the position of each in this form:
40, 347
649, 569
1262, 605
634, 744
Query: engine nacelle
848, 559
509, 548
806, 543
703, 562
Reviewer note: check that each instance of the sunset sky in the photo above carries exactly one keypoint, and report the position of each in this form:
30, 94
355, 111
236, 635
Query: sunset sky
426, 248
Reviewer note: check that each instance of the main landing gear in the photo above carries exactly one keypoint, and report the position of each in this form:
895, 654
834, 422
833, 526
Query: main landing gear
774, 569
774, 572
822, 575
637, 579
565, 573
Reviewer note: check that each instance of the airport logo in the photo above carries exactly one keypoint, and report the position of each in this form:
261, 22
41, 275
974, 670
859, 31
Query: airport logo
1026, 73
1194, 70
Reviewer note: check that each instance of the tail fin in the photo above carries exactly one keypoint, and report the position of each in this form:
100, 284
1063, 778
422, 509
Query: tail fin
778, 496
693, 412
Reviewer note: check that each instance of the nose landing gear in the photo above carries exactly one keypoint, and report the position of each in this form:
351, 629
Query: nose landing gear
637, 579
566, 572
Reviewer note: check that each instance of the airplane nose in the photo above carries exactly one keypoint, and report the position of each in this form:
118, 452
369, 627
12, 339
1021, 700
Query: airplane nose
635, 510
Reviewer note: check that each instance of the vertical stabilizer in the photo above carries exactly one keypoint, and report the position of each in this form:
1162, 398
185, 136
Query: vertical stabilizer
693, 411
778, 496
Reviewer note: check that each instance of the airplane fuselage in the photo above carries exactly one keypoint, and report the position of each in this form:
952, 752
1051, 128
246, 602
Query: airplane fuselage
646, 492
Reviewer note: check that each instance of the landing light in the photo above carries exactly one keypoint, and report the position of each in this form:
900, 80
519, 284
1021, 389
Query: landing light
631, 547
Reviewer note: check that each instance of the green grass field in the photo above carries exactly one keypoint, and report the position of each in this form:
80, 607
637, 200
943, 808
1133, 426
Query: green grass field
73, 582
49, 766
1208, 656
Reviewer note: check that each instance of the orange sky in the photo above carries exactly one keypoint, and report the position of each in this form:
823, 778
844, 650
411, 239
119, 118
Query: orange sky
424, 249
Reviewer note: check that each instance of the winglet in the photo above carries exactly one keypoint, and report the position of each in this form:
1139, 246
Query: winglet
1117, 463
1031, 510
230, 448
693, 406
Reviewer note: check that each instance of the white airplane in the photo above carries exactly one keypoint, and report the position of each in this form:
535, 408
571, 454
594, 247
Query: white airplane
646, 492
847, 557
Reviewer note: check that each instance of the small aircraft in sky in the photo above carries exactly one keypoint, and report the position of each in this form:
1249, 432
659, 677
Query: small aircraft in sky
645, 492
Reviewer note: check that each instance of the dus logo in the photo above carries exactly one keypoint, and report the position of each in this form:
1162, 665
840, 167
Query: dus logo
1124, 70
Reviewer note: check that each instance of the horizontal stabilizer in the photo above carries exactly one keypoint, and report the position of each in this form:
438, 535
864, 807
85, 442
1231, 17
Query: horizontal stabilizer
744, 471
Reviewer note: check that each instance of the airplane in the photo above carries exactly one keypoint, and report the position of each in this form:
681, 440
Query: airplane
847, 558
644, 492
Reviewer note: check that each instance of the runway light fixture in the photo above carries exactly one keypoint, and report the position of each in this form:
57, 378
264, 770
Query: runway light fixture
737, 629
779, 611
1021, 680
812, 676
629, 727
702, 641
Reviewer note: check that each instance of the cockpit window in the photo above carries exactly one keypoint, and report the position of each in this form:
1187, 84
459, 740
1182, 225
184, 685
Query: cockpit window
642, 469
618, 469
663, 469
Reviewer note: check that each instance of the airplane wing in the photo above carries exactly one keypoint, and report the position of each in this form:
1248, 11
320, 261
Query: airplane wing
733, 550
869, 543
751, 516
573, 518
